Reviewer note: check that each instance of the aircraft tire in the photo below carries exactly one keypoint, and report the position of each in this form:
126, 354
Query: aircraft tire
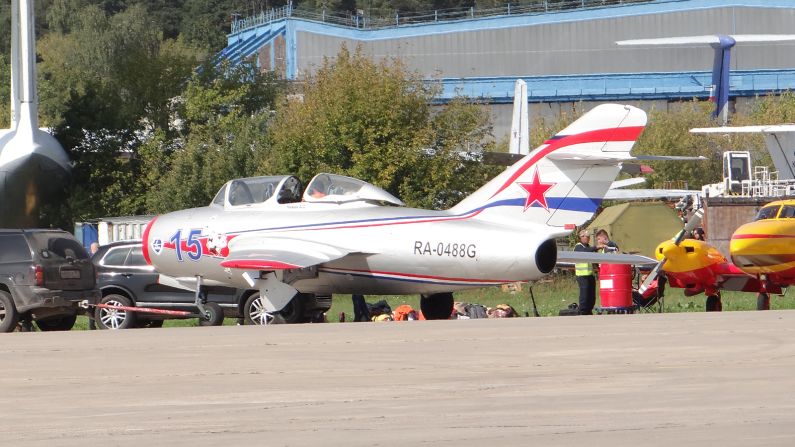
714, 303
215, 315
112, 318
9, 317
60, 323
763, 301
438, 306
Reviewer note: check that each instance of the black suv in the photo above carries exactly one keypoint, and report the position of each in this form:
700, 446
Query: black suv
44, 275
125, 279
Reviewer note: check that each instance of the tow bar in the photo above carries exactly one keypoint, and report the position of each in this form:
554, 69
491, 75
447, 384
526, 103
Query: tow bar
149, 310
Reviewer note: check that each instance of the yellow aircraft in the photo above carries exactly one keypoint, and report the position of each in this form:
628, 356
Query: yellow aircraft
762, 254
765, 247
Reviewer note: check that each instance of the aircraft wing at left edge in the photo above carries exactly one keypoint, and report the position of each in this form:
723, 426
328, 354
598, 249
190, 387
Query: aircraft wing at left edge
269, 253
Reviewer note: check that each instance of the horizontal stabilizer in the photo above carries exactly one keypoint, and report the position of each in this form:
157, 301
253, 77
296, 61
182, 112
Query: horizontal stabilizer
668, 158
627, 182
603, 258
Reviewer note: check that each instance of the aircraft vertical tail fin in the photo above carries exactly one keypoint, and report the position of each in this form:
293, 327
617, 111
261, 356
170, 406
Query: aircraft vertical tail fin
719, 93
562, 182
520, 125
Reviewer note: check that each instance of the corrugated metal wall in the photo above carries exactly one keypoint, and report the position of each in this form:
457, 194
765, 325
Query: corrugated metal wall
576, 47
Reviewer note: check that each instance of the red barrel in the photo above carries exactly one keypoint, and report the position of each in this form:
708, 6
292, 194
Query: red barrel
615, 285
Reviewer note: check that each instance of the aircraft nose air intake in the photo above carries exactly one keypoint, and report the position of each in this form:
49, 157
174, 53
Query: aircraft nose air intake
145, 241
546, 256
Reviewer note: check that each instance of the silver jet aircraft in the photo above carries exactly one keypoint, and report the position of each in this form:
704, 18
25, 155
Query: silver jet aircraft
343, 235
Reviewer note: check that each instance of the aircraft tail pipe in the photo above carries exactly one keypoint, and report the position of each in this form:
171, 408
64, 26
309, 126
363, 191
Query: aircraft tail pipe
546, 256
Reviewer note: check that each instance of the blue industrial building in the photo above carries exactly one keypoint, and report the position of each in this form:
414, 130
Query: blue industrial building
566, 55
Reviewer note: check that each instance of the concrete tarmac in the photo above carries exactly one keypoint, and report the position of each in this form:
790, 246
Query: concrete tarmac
620, 380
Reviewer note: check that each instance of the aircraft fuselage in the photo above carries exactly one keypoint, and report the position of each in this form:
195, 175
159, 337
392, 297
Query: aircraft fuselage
394, 250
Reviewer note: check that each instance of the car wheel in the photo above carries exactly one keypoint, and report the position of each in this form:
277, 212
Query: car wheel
115, 318
438, 306
254, 312
61, 323
215, 315
9, 317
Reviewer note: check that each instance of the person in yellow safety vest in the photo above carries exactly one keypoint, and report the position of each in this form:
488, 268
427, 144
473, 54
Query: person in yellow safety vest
585, 278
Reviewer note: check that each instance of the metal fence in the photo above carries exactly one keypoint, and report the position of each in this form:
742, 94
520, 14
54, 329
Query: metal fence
375, 19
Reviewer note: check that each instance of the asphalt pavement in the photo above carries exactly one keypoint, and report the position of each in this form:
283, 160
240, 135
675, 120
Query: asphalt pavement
723, 379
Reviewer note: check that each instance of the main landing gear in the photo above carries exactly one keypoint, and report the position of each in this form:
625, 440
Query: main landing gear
714, 303
438, 306
762, 301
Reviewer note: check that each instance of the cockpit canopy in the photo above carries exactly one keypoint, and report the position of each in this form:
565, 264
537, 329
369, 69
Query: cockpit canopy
280, 189
772, 212
338, 189
256, 190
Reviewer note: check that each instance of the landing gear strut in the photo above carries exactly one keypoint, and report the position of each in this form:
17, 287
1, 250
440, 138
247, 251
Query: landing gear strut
762, 301
714, 303
207, 313
438, 306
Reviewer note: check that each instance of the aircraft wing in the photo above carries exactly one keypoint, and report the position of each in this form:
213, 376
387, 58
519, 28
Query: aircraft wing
779, 139
708, 40
603, 258
773, 128
640, 194
269, 253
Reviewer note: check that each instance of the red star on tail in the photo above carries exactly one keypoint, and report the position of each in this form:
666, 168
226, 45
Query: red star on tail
536, 192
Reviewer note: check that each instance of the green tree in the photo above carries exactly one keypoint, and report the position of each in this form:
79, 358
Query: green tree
224, 115
375, 121
106, 83
668, 133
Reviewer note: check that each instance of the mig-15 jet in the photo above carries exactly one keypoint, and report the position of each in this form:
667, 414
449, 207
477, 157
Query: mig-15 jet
343, 235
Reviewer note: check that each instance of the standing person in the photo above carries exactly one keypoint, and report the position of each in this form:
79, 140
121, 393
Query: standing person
93, 248
585, 278
360, 310
604, 244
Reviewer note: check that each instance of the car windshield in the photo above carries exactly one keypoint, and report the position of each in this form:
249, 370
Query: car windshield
768, 212
57, 245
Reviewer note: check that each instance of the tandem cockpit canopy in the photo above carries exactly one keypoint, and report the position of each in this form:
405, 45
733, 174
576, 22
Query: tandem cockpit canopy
332, 188
247, 192
282, 189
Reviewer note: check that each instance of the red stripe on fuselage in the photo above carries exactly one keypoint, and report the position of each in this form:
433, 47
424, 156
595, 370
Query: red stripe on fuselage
412, 275
763, 236
258, 264
593, 136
